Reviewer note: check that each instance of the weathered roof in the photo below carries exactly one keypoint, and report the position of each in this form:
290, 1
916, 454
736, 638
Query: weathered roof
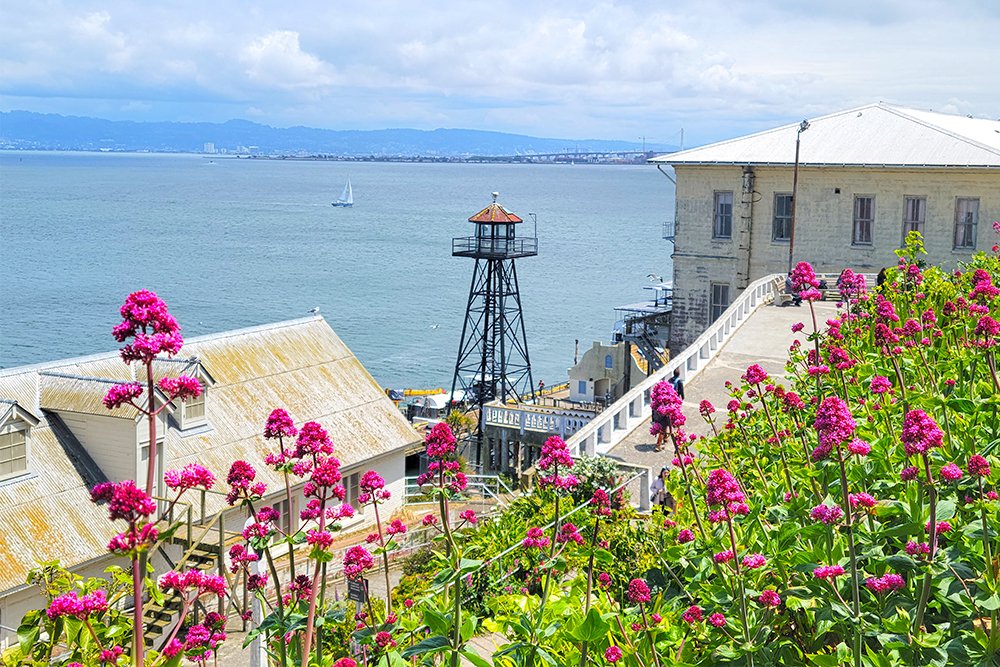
877, 135
300, 365
495, 213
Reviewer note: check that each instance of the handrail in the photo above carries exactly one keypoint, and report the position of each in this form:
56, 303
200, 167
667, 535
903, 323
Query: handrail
609, 427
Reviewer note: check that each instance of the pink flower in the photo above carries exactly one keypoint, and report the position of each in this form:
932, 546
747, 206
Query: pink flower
638, 591
120, 394
705, 408
345, 662
692, 614
313, 439
917, 549
861, 500
320, 538
429, 520
717, 620
612, 654
396, 527
723, 489
182, 387
125, 501
145, 319
536, 539
834, 422
279, 425
942, 527
723, 556
600, 503
604, 580
754, 561
859, 447
803, 276
469, 516
920, 433
951, 472
828, 571
769, 598
684, 536
357, 559
190, 476
978, 466
829, 515
797, 327
440, 442
880, 385
755, 375
569, 533
909, 473
886, 583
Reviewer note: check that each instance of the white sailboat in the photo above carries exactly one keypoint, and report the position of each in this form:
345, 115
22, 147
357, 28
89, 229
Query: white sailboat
346, 197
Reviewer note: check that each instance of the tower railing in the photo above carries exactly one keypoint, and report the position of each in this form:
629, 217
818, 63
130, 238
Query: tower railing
475, 246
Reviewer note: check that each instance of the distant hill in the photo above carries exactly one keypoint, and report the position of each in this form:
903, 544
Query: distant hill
28, 130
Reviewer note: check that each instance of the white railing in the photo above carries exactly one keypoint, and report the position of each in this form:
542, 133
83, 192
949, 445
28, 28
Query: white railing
621, 417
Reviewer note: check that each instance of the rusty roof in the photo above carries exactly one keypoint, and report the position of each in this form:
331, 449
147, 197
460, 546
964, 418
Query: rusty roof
300, 365
495, 214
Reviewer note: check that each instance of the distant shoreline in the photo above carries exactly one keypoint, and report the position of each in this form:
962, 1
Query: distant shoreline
626, 158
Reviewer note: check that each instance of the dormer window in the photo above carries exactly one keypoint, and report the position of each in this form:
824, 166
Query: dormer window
15, 427
13, 451
192, 412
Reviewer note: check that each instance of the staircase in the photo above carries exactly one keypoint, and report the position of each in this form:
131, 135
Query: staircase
645, 353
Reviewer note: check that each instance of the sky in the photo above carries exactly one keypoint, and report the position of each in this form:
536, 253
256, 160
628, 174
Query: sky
575, 69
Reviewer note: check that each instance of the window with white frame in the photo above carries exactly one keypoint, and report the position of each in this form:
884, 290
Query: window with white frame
13, 451
782, 228
192, 412
966, 219
722, 227
352, 484
864, 219
914, 215
718, 301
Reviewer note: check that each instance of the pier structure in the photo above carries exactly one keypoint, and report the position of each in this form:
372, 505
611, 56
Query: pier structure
493, 362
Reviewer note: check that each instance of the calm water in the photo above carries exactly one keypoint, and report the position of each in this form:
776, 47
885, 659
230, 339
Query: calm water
233, 243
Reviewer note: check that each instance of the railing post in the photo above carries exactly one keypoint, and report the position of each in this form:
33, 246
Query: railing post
644, 484
203, 493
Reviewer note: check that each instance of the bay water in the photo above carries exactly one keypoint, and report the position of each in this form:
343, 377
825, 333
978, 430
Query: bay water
230, 243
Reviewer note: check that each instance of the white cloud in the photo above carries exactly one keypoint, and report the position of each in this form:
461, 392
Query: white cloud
597, 68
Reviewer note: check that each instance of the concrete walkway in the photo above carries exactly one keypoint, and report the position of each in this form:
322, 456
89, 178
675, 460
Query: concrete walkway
763, 339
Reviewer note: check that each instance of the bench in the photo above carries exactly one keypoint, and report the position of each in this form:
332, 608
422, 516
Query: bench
781, 297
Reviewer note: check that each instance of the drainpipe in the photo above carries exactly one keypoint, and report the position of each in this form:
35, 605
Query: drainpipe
745, 239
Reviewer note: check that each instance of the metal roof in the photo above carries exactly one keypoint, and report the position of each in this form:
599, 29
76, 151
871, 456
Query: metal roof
877, 135
301, 365
496, 214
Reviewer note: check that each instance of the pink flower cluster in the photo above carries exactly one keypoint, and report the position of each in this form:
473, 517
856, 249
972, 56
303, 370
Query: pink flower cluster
440, 442
829, 515
804, 276
200, 641
192, 583
120, 394
612, 654
828, 572
886, 583
154, 330
755, 374
920, 433
666, 406
769, 598
951, 472
190, 476
313, 439
182, 387
279, 425
72, 604
372, 487
568, 532
555, 455
600, 503
754, 561
834, 424
241, 481
357, 559
722, 489
638, 591
692, 614
979, 466
125, 500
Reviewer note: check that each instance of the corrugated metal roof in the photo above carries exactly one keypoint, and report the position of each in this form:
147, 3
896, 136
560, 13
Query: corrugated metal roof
301, 365
877, 135
75, 393
495, 213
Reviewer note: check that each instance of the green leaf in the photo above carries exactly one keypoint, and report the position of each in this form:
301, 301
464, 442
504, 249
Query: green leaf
28, 631
474, 658
591, 629
429, 645
962, 405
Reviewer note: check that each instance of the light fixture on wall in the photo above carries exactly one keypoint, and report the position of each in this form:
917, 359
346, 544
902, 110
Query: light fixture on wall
803, 126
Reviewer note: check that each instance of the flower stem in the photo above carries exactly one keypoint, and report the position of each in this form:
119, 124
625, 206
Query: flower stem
925, 591
855, 585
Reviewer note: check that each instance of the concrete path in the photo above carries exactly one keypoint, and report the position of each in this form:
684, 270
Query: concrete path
763, 339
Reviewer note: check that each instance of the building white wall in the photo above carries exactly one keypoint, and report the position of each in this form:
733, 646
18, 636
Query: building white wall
110, 441
824, 226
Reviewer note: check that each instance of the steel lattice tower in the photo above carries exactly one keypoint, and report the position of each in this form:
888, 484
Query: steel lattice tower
493, 361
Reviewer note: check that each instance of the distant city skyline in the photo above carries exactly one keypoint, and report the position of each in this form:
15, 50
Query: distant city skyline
618, 69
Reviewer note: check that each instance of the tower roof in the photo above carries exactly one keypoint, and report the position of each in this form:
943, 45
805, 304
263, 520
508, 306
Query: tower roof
495, 214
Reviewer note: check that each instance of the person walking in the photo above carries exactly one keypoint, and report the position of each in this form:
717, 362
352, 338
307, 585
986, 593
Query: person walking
677, 383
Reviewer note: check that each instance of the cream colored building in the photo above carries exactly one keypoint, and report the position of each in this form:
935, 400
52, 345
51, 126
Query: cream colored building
866, 176
57, 440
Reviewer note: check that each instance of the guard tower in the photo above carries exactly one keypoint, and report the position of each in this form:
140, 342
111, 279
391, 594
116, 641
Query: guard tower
493, 354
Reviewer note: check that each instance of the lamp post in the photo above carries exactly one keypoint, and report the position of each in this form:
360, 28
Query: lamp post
803, 126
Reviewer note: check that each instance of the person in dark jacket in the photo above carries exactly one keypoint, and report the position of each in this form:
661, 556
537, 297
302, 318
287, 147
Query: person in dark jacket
677, 383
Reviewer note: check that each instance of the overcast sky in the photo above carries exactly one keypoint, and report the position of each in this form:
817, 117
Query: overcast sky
572, 69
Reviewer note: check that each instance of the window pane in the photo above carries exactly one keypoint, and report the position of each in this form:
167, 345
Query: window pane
782, 228
864, 208
723, 215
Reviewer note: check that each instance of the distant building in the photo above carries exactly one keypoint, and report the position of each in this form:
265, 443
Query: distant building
209, 148
57, 440
866, 177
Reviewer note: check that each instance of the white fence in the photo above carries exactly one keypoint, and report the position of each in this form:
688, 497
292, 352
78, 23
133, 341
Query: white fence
621, 417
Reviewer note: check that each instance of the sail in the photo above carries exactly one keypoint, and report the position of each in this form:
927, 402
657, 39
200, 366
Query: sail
346, 197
